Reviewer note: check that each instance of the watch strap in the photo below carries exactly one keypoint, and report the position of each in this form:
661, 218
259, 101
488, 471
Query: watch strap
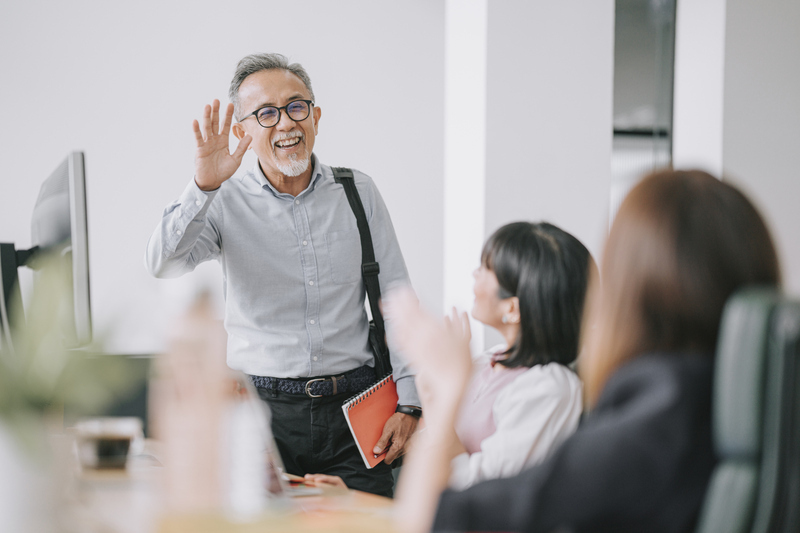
411, 410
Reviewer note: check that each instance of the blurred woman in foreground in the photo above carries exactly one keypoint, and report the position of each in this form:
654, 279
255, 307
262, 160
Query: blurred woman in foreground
681, 244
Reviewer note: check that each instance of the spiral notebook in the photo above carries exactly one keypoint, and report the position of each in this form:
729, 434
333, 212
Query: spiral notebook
366, 414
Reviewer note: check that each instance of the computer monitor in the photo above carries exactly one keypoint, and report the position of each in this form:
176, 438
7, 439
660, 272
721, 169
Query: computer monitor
58, 230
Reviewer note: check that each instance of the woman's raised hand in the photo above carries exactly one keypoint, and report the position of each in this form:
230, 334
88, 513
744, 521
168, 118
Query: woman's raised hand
438, 350
213, 161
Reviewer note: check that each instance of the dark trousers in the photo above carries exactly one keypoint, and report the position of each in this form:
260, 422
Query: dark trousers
313, 438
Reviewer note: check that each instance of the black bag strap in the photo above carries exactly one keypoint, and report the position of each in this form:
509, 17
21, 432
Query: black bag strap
369, 270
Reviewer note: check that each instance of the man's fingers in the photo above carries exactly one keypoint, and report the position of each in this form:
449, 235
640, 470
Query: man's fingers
383, 442
402, 428
207, 122
244, 142
226, 125
215, 117
398, 448
394, 452
197, 135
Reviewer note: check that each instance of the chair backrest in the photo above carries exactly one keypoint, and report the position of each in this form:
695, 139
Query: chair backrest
755, 487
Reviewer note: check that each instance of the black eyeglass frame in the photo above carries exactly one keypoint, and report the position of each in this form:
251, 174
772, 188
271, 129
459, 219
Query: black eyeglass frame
309, 105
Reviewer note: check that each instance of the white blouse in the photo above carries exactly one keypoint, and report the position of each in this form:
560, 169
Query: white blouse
533, 414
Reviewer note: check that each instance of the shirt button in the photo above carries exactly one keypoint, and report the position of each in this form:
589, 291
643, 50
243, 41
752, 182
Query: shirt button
179, 232
198, 202
305, 243
297, 202
311, 321
311, 282
315, 358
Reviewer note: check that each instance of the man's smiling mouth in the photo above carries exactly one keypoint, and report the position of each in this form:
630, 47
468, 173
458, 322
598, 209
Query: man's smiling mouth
288, 143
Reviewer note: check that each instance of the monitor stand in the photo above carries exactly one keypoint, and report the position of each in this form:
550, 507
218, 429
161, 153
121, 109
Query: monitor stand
10, 297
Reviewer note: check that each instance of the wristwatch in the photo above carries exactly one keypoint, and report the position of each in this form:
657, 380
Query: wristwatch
412, 410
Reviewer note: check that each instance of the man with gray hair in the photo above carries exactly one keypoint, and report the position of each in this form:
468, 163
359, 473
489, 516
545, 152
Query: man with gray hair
290, 252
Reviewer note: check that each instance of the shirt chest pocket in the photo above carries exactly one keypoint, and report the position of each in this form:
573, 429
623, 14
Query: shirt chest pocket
344, 253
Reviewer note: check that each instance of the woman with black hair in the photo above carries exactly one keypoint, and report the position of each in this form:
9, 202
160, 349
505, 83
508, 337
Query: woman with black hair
523, 398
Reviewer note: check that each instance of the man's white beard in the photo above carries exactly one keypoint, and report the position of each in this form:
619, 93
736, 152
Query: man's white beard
295, 167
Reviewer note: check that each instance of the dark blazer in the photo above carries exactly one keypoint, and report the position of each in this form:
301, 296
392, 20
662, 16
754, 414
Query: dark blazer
639, 462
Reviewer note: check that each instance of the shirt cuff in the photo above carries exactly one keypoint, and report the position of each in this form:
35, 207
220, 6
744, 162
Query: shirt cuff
407, 391
196, 190
194, 202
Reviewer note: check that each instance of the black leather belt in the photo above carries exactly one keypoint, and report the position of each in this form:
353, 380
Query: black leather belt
351, 382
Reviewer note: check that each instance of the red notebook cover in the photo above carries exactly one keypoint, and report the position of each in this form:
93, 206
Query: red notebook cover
367, 413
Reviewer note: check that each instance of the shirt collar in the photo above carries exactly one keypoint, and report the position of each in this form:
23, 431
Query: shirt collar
497, 356
316, 175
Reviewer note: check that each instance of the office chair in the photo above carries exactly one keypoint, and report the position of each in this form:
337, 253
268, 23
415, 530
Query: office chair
755, 487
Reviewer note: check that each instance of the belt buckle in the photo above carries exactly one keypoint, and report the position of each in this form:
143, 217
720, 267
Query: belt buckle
308, 384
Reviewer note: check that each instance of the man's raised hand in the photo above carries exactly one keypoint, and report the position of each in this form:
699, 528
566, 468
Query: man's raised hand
213, 161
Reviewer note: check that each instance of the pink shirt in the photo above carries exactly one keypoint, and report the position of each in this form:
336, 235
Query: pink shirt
475, 420
513, 418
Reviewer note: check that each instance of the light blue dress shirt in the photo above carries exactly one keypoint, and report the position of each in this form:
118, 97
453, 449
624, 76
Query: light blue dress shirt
294, 297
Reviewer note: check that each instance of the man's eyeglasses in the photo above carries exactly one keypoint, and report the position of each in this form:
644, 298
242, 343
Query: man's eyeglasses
269, 116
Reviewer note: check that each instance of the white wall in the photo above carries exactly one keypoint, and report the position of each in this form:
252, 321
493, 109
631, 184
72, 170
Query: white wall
549, 115
540, 99
465, 151
761, 120
699, 85
550, 77
737, 111
124, 80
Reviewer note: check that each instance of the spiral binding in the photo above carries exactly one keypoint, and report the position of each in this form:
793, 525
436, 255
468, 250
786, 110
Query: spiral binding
358, 398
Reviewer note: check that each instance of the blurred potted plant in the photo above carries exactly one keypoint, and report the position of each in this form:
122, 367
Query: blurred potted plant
38, 377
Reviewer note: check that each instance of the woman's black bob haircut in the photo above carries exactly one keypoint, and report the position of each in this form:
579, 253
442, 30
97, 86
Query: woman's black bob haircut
547, 269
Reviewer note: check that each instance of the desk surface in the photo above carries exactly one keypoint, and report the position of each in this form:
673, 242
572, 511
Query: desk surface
342, 511
127, 501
